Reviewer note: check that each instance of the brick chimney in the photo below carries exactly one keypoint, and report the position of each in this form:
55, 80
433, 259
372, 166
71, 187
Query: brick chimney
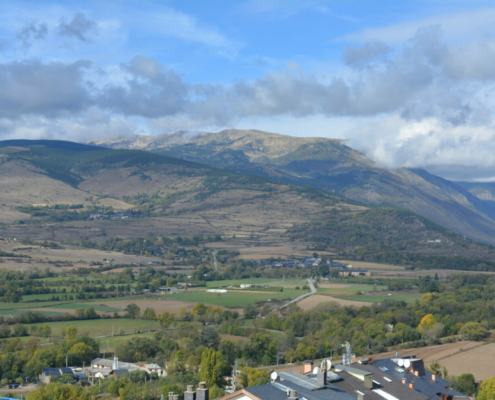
190, 394
404, 381
411, 385
308, 367
202, 392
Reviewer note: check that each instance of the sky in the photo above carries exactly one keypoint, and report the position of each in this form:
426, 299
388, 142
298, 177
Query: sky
408, 83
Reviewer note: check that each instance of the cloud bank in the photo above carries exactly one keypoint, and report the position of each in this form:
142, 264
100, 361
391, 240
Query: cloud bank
428, 102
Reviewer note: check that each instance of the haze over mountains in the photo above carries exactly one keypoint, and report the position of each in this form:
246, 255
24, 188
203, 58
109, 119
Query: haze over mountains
330, 165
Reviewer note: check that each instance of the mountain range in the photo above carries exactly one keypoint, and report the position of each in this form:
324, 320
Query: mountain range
332, 166
81, 194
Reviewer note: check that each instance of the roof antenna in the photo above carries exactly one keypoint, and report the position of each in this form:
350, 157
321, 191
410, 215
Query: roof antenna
347, 356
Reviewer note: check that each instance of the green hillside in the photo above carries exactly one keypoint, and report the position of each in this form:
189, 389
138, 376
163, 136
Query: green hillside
395, 236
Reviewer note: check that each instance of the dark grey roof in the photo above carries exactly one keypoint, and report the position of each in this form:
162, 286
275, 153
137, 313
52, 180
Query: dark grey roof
381, 382
422, 384
57, 371
120, 371
386, 380
351, 384
301, 380
277, 391
352, 370
51, 372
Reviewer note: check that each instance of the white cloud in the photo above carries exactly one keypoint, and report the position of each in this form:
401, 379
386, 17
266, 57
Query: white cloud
456, 152
460, 25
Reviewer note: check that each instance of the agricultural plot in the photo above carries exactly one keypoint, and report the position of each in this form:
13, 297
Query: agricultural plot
347, 290
285, 283
370, 294
17, 306
108, 344
370, 265
73, 306
407, 297
46, 296
19, 311
102, 327
458, 357
235, 299
312, 301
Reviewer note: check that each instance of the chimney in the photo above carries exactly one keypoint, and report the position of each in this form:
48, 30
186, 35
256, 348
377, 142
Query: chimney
433, 377
321, 377
416, 373
360, 396
411, 385
404, 381
190, 394
202, 392
308, 367
171, 395
293, 395
368, 381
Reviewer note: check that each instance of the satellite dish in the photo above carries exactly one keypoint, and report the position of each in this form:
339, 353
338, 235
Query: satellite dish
274, 376
316, 370
407, 363
329, 365
401, 362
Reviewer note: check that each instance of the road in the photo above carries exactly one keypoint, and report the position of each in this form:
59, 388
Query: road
311, 284
215, 260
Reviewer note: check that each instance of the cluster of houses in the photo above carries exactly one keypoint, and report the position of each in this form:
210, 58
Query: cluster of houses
313, 263
397, 378
100, 369
115, 215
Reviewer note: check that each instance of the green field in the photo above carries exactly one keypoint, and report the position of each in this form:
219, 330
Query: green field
20, 311
31, 297
371, 293
286, 283
99, 327
407, 297
349, 290
73, 306
15, 306
108, 344
237, 299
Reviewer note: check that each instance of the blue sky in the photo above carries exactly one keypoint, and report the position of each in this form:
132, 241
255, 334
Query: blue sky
409, 83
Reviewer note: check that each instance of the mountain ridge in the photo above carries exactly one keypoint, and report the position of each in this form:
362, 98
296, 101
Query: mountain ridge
331, 165
67, 192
